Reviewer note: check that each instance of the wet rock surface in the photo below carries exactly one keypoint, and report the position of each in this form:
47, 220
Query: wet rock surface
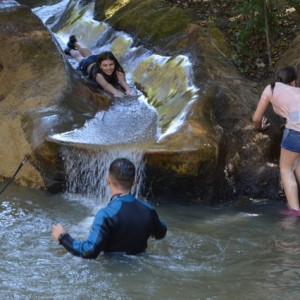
226, 157
32, 79
245, 161
36, 99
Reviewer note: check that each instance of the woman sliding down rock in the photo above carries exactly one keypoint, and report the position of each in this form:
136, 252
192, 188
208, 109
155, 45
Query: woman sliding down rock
102, 68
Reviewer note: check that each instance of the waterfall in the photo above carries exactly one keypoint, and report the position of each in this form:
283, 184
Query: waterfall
121, 131
158, 111
87, 172
128, 121
166, 80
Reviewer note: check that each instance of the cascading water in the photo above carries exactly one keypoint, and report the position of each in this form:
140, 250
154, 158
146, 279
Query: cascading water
128, 121
167, 81
109, 135
87, 172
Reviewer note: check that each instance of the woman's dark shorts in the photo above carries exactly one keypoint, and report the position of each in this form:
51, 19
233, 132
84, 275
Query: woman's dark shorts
83, 65
291, 140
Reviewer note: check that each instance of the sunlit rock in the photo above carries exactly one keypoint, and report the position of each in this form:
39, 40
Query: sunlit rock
32, 79
215, 147
205, 145
35, 99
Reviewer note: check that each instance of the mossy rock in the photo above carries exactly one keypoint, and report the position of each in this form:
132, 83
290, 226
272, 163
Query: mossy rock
150, 20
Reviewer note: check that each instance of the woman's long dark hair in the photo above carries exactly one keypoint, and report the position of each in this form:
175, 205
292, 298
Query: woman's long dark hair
285, 75
107, 55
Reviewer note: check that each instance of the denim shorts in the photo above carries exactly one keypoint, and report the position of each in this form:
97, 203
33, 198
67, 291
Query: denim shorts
84, 64
291, 140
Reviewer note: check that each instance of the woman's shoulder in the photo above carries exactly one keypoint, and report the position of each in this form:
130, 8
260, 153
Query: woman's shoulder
277, 86
267, 90
286, 87
93, 71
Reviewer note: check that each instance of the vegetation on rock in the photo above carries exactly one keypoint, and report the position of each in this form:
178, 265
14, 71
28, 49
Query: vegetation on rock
258, 31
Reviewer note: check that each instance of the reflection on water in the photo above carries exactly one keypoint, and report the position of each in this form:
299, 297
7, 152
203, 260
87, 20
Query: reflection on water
209, 253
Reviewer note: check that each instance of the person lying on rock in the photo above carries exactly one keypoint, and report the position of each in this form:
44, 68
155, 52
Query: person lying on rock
285, 99
103, 68
124, 225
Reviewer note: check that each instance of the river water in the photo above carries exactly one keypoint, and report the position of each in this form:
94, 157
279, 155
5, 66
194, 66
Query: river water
208, 253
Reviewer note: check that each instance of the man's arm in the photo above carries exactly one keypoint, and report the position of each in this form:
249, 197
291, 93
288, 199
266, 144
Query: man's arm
92, 246
60, 235
160, 228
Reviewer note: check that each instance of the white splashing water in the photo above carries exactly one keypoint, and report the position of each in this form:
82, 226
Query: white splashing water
8, 3
48, 11
87, 172
99, 36
127, 122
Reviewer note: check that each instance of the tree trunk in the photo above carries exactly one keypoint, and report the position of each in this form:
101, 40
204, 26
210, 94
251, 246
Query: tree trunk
267, 30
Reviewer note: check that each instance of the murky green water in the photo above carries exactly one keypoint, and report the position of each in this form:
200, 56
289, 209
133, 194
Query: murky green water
209, 253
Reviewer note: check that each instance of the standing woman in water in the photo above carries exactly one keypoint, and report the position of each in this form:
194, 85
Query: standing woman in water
285, 99
103, 68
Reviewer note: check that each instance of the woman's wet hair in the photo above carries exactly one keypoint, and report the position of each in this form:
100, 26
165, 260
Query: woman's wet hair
122, 172
285, 75
107, 55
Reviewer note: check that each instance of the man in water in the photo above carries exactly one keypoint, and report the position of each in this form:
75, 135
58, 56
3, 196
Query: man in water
124, 225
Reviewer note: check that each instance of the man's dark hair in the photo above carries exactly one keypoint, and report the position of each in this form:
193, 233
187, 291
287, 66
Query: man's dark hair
122, 171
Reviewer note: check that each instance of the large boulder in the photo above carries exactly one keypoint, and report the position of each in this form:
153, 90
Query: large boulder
36, 99
217, 154
32, 79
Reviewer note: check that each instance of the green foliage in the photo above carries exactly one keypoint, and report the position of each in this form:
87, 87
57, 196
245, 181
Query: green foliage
252, 22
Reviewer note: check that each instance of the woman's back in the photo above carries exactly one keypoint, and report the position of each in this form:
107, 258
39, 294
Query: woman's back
286, 103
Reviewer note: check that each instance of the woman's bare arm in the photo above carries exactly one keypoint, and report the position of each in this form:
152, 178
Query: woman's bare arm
124, 84
107, 86
260, 122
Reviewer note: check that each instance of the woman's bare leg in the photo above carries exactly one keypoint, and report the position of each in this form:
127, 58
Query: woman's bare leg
83, 50
79, 52
76, 54
297, 171
288, 160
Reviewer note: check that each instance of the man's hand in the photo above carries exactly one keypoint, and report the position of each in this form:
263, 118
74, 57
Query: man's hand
57, 229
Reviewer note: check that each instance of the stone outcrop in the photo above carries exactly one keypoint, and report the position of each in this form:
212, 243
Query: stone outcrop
217, 154
240, 161
36, 99
32, 79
